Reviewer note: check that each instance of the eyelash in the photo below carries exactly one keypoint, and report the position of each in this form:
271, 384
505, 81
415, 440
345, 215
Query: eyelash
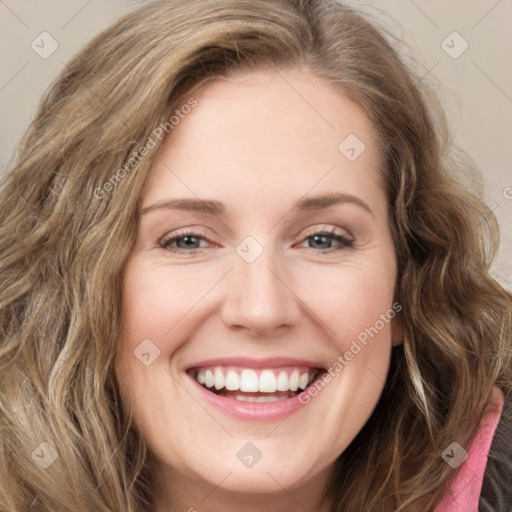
343, 240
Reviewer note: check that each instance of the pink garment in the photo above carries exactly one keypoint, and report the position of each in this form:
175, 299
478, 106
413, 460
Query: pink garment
464, 492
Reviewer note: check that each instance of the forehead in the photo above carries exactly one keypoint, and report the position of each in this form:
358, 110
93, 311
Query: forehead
264, 130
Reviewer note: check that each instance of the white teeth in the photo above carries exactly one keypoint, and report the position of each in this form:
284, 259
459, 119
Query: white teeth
267, 381
294, 380
232, 381
219, 378
249, 381
209, 379
282, 382
304, 381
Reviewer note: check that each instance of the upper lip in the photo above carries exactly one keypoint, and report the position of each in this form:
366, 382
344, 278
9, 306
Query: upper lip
247, 362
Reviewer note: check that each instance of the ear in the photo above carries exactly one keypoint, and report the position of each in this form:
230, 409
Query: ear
397, 330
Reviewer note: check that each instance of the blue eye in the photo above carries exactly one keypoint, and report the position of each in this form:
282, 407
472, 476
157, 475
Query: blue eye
190, 242
326, 238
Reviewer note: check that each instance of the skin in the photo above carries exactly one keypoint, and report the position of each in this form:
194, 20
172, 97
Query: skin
257, 141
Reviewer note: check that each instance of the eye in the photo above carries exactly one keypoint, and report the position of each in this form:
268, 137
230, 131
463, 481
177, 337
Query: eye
323, 240
188, 241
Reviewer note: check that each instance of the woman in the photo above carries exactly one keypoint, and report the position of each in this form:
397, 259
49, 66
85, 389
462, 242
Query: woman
240, 272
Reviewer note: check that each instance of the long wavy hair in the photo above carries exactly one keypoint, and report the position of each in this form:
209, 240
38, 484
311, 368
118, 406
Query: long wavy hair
69, 209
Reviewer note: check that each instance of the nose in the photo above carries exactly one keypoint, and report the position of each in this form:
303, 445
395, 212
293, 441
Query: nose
261, 298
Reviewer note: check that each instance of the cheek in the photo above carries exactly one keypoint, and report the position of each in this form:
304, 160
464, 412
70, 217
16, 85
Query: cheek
156, 299
350, 300
153, 304
157, 302
355, 306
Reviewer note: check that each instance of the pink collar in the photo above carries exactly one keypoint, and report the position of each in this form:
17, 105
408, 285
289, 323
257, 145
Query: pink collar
463, 494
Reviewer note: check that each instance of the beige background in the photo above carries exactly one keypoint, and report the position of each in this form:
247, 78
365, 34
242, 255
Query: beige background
476, 86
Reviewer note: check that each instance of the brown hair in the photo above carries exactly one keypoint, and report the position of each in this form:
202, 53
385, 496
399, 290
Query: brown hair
65, 235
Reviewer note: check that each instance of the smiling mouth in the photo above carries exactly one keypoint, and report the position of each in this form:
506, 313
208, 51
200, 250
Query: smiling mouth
251, 385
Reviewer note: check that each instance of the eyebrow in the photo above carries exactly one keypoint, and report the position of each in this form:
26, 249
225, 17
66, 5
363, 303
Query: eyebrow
216, 208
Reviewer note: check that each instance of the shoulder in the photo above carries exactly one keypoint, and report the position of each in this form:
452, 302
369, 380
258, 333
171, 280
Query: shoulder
496, 495
481, 481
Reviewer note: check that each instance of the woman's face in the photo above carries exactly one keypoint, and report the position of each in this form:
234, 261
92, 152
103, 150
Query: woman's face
263, 261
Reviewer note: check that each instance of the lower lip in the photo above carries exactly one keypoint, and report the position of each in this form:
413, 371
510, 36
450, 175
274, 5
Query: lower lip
255, 411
